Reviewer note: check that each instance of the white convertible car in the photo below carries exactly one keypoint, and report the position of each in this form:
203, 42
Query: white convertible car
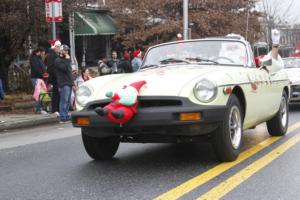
204, 89
292, 68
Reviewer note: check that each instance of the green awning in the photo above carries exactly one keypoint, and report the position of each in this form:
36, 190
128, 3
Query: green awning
94, 23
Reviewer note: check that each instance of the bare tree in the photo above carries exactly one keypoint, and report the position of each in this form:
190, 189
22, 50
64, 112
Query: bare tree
275, 10
150, 22
20, 19
275, 13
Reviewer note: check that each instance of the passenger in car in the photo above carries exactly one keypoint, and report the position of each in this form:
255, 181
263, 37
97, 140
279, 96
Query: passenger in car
273, 56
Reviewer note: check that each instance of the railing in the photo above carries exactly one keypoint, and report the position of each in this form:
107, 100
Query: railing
19, 77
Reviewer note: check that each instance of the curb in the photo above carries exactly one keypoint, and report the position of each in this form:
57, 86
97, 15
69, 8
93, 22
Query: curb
28, 122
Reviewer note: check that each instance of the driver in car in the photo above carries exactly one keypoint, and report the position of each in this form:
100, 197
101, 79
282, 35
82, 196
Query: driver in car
232, 53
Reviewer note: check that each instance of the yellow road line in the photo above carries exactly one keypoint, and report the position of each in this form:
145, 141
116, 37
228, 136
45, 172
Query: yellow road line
223, 188
199, 180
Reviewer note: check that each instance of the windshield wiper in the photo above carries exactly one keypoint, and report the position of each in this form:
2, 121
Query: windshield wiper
198, 59
173, 60
149, 66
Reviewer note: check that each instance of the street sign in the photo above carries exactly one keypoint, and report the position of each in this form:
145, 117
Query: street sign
57, 12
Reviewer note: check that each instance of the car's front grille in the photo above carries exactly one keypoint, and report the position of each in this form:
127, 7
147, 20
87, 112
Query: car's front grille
295, 92
159, 103
144, 102
96, 104
295, 88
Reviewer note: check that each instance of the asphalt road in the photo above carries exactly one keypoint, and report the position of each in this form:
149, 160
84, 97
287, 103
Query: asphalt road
50, 163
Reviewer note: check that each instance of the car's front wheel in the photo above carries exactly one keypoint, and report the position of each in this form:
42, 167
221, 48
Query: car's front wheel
227, 138
277, 126
100, 148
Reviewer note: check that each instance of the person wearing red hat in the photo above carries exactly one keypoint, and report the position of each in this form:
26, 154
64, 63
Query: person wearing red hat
124, 105
50, 61
137, 60
179, 37
125, 63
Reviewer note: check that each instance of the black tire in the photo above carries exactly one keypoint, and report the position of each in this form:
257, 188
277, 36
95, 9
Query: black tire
226, 139
100, 148
278, 125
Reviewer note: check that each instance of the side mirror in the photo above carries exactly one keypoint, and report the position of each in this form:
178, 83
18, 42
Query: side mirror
258, 61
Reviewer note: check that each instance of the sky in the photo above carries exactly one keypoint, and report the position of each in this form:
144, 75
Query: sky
282, 5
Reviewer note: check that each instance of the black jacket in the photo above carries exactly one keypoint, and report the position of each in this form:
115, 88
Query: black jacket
37, 66
126, 66
115, 66
50, 61
63, 71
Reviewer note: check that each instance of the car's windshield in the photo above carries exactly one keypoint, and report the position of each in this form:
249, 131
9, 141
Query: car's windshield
202, 52
291, 62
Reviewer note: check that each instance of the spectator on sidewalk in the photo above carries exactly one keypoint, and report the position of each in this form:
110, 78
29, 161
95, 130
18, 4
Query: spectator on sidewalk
125, 63
40, 88
114, 63
50, 61
103, 68
1, 90
37, 70
137, 61
64, 81
179, 37
85, 75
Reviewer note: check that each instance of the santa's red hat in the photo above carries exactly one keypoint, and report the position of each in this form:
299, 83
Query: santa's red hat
138, 85
137, 53
179, 37
55, 43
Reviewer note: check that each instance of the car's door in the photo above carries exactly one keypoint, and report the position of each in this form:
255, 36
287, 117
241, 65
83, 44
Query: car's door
258, 96
276, 89
262, 97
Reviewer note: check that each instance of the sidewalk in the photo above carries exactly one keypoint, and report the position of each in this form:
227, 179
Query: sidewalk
14, 121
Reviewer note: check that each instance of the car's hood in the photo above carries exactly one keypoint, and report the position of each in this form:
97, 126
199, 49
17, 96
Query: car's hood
163, 81
293, 74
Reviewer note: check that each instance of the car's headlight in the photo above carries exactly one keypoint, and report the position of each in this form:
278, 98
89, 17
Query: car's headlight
82, 94
205, 90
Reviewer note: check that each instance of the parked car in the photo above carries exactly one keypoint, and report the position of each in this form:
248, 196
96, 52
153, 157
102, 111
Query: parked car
292, 68
203, 89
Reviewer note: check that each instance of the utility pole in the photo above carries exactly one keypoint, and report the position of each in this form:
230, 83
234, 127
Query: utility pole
74, 62
247, 26
53, 22
29, 36
185, 19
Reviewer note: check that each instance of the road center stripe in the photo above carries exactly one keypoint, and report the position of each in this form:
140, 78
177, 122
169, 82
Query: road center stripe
199, 180
226, 186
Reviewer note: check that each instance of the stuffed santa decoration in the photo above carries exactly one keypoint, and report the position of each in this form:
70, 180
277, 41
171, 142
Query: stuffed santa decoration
124, 104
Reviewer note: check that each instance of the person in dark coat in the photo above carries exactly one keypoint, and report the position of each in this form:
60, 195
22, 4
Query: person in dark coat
50, 60
114, 63
1, 90
37, 68
125, 64
65, 82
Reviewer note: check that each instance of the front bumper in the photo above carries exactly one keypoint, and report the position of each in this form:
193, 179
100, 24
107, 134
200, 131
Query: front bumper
154, 120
